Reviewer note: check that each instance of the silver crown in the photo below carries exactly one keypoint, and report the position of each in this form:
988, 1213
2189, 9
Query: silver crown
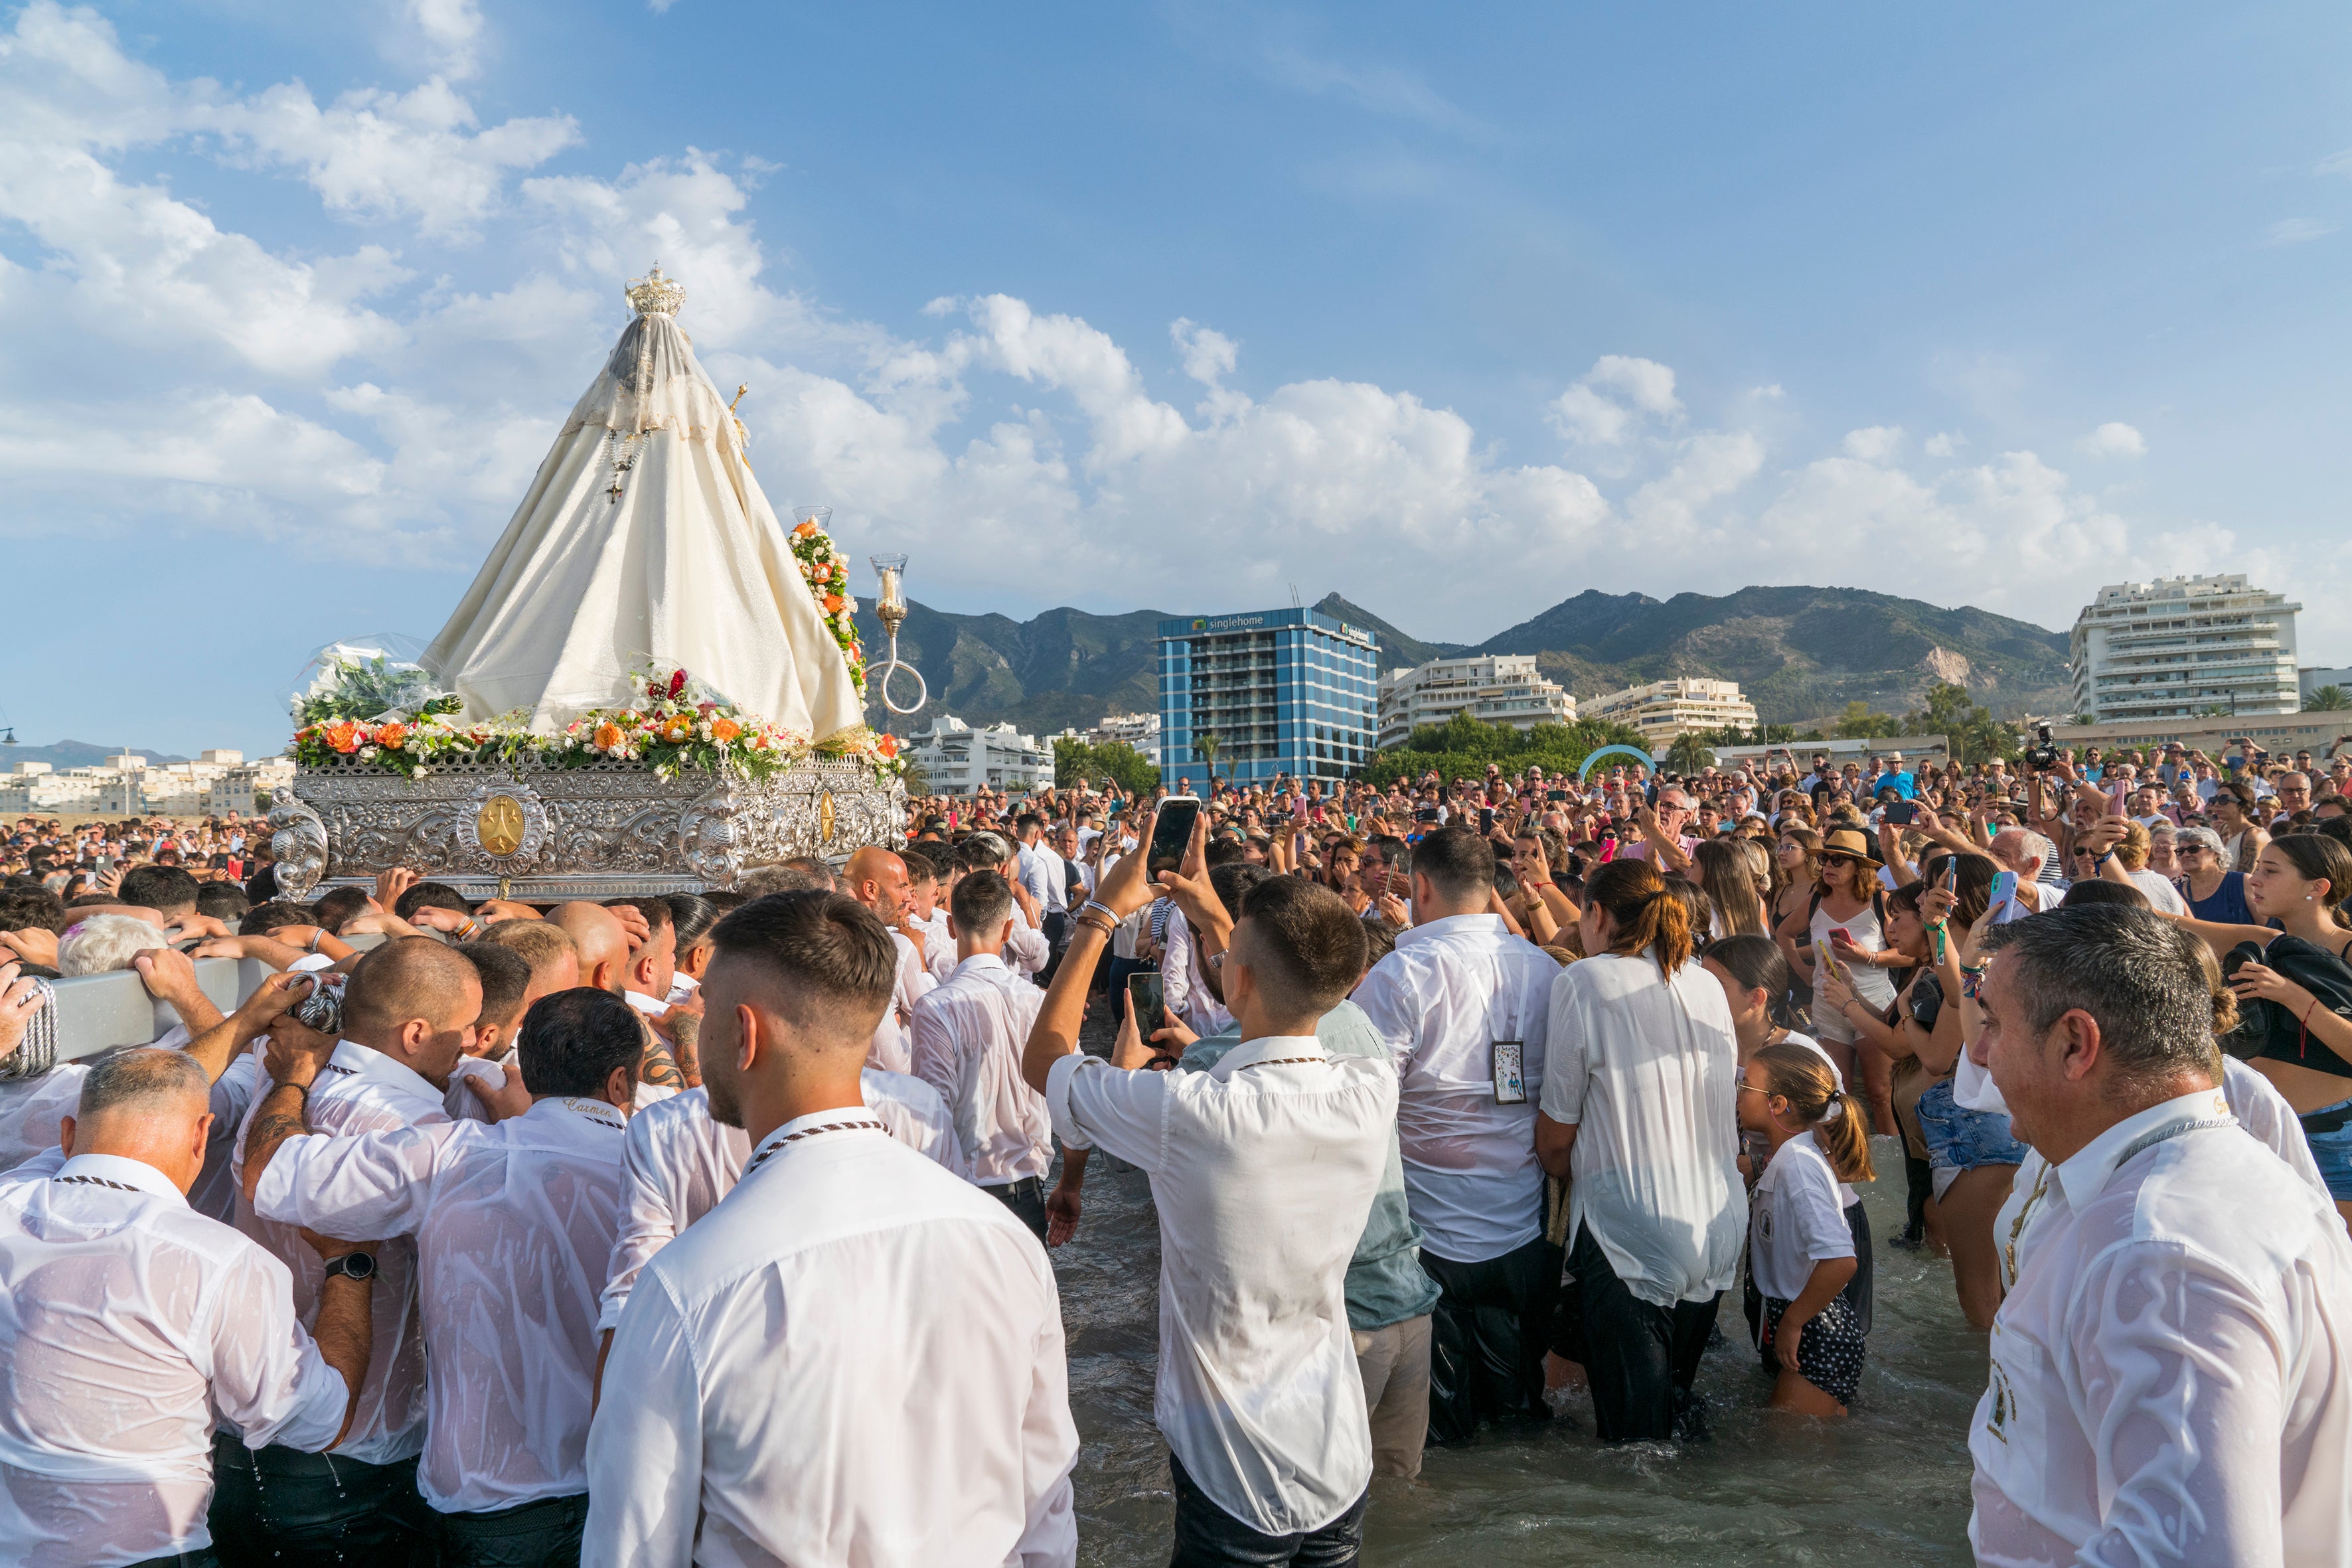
655, 295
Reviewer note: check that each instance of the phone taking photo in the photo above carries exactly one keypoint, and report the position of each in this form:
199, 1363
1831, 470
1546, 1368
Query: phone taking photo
1171, 837
1144, 990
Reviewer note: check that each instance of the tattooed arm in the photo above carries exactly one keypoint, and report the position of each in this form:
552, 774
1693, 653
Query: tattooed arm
294, 1057
686, 1030
659, 1068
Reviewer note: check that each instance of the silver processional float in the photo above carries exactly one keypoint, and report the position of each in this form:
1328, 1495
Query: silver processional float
653, 686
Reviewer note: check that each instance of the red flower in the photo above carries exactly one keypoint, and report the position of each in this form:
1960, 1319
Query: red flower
678, 683
887, 745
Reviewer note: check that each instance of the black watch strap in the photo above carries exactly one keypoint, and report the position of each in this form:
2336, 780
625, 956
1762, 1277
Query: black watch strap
360, 1265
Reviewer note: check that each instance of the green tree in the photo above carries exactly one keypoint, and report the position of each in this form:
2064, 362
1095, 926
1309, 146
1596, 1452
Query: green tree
1859, 724
1462, 746
1690, 754
1205, 746
1971, 730
2328, 699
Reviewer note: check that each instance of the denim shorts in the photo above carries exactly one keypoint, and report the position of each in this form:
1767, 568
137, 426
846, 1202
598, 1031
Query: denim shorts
1958, 1139
2332, 1151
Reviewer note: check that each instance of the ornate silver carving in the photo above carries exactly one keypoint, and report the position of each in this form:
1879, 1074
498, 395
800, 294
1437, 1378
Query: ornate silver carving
297, 839
608, 827
525, 821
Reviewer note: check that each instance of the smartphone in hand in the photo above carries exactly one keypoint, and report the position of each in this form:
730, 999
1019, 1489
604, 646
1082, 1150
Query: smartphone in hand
1144, 989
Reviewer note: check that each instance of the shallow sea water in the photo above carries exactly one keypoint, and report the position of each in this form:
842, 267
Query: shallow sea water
1887, 1486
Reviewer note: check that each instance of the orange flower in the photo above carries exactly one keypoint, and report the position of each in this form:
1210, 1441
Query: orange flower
607, 737
392, 736
887, 746
833, 604
805, 530
724, 730
343, 736
679, 728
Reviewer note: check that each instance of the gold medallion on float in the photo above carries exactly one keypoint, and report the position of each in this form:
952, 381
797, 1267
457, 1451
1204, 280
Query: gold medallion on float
825, 817
498, 825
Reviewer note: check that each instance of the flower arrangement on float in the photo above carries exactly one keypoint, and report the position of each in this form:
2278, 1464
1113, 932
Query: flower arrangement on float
678, 724
827, 577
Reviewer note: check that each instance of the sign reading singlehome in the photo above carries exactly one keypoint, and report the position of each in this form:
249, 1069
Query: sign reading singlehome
1228, 623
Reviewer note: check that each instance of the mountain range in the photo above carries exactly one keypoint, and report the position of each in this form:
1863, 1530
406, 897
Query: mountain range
79, 755
1799, 654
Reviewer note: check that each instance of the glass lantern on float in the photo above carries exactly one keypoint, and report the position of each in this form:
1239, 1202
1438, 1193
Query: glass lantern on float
890, 608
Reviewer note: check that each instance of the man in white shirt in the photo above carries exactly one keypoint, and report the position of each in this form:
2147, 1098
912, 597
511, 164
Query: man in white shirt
1044, 878
2169, 1374
1028, 952
1263, 1173
513, 1224
853, 1348
408, 1013
877, 879
127, 1320
968, 1039
1463, 1005
927, 916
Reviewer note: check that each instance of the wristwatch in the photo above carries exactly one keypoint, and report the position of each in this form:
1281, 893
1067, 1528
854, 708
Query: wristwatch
359, 1266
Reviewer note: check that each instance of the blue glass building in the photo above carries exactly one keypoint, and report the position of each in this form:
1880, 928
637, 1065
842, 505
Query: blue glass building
1285, 692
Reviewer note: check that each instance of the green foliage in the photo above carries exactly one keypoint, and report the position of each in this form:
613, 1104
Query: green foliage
1971, 730
1859, 724
370, 688
1074, 762
1462, 746
2329, 700
1690, 754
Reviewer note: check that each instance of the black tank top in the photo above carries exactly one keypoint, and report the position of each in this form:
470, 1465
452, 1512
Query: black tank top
2329, 979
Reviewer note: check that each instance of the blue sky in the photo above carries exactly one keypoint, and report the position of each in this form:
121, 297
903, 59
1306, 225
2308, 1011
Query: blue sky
1459, 312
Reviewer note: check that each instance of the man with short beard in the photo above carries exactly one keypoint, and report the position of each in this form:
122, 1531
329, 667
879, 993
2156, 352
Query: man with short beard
931, 1414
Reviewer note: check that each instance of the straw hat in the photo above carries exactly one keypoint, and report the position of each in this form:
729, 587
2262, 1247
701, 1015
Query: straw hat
1851, 842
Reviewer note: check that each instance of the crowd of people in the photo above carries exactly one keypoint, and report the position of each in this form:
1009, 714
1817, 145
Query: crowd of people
1463, 1103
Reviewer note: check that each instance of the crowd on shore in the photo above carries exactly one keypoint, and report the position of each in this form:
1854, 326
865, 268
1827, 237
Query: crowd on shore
1463, 1103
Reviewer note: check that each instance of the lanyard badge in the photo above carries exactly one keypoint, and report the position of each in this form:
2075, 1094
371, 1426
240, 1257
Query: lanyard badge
1510, 1073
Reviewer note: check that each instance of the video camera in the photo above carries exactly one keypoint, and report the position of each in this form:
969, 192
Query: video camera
2041, 756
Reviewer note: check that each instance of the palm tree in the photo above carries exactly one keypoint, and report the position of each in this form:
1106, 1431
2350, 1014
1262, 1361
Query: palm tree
2328, 699
1205, 746
1689, 753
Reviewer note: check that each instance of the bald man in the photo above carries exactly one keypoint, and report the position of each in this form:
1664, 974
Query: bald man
605, 948
408, 1016
146, 1319
877, 879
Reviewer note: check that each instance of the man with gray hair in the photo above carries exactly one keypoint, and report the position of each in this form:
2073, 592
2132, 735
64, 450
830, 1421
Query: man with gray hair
2034, 859
128, 1320
2172, 1373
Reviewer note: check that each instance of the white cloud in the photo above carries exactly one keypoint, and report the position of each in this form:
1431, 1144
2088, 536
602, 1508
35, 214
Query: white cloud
1943, 444
2299, 230
2115, 439
452, 30
1605, 407
2334, 164
1876, 442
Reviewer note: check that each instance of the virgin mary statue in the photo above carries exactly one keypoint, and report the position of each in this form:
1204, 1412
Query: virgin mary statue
644, 543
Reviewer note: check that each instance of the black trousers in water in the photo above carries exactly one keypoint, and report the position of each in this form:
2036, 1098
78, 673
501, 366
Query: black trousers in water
292, 1509
1026, 1199
1642, 1358
1856, 1295
542, 1534
1487, 1338
1209, 1537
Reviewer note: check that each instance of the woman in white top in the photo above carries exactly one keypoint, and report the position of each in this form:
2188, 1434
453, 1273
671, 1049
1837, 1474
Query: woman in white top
1799, 1250
1641, 1069
1848, 899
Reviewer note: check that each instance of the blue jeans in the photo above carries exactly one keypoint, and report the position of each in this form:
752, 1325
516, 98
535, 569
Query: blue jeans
2331, 1148
1209, 1537
1958, 1139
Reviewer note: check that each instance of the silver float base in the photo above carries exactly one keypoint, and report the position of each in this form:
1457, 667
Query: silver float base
606, 830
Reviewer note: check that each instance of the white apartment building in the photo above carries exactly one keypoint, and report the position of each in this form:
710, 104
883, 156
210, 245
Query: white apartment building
214, 784
1499, 689
2184, 645
1140, 730
1662, 709
958, 759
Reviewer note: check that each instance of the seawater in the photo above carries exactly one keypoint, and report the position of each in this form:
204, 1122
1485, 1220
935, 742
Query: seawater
1889, 1485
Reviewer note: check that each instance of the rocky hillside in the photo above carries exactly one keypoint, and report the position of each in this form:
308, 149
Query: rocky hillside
1799, 654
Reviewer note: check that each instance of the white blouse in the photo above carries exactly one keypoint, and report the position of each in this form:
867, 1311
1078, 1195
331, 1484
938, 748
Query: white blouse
1647, 1068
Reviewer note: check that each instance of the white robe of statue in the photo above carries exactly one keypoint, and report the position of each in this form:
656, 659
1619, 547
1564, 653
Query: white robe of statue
686, 567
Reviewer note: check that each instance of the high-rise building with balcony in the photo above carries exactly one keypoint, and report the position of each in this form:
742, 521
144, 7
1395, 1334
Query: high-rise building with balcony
1283, 691
1663, 710
1499, 689
2184, 645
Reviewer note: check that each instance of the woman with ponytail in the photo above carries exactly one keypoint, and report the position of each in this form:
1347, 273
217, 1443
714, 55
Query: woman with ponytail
1641, 1065
1798, 1249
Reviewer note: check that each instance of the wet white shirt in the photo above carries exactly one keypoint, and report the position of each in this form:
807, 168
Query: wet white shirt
1648, 1071
679, 1162
1796, 1218
1184, 986
513, 1225
893, 1039
126, 1321
31, 1108
939, 946
968, 1039
1451, 990
1044, 874
2172, 1369
1262, 1171
856, 1358
1027, 950
363, 1090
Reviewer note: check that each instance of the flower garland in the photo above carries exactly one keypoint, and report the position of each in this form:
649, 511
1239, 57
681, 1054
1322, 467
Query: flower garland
676, 726
827, 575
